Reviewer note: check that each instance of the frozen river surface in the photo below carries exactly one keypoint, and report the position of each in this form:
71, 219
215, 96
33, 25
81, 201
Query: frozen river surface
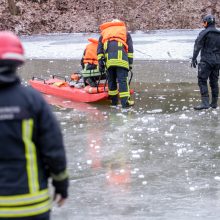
158, 161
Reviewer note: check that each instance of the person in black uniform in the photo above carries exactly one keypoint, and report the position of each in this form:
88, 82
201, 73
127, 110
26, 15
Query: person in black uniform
31, 148
208, 42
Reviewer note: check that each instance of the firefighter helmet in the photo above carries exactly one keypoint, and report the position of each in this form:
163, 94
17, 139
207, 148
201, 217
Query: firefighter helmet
11, 49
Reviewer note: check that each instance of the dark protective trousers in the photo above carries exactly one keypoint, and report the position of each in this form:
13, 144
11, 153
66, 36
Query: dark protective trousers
121, 75
211, 72
44, 216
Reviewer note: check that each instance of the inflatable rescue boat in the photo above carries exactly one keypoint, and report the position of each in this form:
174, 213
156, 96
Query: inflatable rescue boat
61, 88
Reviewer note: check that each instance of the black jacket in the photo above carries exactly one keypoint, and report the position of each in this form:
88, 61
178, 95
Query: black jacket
208, 42
31, 150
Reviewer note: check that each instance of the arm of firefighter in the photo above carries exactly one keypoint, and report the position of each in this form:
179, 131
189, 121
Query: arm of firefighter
130, 50
100, 55
52, 152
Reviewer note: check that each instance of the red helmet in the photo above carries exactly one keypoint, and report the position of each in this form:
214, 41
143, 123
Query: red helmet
11, 48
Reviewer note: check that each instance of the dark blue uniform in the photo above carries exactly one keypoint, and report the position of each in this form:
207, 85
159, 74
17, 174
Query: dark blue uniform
118, 62
31, 150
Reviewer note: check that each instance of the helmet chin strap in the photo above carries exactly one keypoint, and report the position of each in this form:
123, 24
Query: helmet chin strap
8, 74
8, 71
4, 69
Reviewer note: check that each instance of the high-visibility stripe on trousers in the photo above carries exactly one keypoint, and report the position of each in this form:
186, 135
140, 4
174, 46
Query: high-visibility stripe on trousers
121, 75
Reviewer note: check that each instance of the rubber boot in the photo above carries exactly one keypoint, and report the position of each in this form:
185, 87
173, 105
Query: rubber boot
204, 104
126, 102
214, 103
114, 100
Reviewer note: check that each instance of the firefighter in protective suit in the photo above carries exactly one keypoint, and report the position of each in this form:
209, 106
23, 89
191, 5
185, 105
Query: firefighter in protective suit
31, 148
115, 52
208, 42
89, 63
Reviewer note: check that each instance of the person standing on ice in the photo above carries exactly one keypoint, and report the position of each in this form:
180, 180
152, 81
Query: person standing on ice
31, 148
208, 42
115, 52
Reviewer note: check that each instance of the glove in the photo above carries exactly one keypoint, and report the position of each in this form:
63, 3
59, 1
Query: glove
101, 66
61, 187
130, 67
194, 63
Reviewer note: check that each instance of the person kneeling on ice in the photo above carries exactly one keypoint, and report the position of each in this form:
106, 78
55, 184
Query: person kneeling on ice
115, 52
208, 42
89, 63
77, 81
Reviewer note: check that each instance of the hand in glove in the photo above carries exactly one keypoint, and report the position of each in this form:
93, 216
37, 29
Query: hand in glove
130, 67
61, 191
194, 63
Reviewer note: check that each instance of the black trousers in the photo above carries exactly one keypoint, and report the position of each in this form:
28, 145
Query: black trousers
207, 71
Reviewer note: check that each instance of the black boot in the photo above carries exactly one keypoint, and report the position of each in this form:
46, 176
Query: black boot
114, 100
214, 102
126, 102
204, 104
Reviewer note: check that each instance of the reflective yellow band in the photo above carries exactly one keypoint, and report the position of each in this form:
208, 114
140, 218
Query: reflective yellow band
120, 51
130, 55
31, 155
30, 210
120, 45
128, 85
24, 199
124, 94
100, 56
89, 73
106, 57
105, 45
61, 176
114, 92
116, 62
120, 54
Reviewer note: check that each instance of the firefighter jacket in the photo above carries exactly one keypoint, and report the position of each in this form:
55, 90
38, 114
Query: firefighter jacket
115, 45
89, 60
208, 42
31, 149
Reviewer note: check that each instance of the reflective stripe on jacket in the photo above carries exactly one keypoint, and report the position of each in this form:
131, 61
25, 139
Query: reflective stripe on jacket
90, 72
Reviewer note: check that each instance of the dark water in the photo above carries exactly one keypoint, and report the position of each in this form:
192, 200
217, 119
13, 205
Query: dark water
159, 160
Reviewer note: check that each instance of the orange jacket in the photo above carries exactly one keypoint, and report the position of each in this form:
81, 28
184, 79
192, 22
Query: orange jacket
90, 54
114, 31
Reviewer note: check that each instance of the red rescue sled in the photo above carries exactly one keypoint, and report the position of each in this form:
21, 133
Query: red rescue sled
58, 87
